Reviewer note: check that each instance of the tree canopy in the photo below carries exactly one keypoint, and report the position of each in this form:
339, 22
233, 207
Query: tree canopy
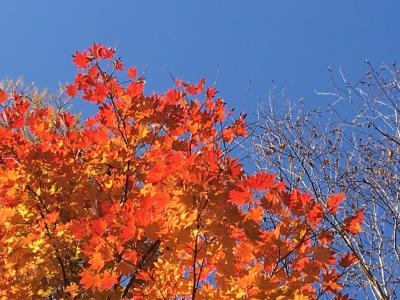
146, 200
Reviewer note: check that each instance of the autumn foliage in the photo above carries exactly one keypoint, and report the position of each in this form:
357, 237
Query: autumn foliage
144, 200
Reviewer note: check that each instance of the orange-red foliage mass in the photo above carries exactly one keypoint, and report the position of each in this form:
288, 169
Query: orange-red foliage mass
143, 200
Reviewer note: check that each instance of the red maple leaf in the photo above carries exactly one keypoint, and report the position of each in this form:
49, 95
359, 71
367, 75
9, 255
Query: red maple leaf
118, 65
240, 196
334, 201
68, 119
3, 96
96, 262
71, 90
100, 52
81, 59
347, 260
89, 280
353, 224
315, 215
78, 229
210, 93
261, 181
99, 226
108, 280
132, 72
135, 89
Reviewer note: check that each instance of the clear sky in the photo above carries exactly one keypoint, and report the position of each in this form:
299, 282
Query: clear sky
291, 42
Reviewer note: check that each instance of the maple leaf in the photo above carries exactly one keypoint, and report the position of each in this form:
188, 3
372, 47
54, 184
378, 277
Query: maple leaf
172, 96
315, 215
240, 195
99, 226
3, 96
135, 89
118, 66
330, 282
78, 229
334, 201
301, 297
100, 52
81, 59
228, 134
353, 223
324, 255
72, 289
210, 92
68, 119
51, 218
261, 181
301, 263
90, 280
95, 50
96, 262
108, 280
195, 89
142, 217
255, 214
347, 260
128, 231
325, 237
131, 256
71, 90
100, 93
132, 72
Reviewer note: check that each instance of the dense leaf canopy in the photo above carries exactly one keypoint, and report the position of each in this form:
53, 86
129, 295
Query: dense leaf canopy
145, 200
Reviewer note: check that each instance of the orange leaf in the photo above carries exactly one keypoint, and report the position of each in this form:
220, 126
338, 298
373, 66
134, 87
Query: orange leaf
108, 280
3, 96
228, 134
353, 224
135, 89
51, 218
99, 226
324, 255
347, 260
81, 59
128, 231
68, 119
240, 196
100, 52
210, 93
96, 262
315, 215
71, 90
334, 201
118, 65
79, 229
132, 72
261, 181
255, 214
90, 280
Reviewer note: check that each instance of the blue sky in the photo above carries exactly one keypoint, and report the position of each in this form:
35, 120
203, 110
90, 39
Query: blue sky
291, 42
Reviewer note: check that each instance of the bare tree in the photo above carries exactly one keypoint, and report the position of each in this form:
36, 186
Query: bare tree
351, 145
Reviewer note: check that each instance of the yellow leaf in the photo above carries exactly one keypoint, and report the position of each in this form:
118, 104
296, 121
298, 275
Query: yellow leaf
22, 210
36, 245
142, 132
52, 190
72, 289
109, 184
